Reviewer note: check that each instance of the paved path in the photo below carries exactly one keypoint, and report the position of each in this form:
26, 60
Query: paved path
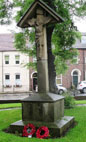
17, 97
3, 109
80, 96
13, 98
81, 104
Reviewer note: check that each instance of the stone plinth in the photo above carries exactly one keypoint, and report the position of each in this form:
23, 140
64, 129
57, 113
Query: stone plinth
44, 108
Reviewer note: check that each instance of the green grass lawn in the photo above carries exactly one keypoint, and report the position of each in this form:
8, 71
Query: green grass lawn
76, 134
10, 105
80, 101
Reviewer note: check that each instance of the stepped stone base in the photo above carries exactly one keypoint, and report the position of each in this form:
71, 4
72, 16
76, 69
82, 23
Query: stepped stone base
56, 129
44, 110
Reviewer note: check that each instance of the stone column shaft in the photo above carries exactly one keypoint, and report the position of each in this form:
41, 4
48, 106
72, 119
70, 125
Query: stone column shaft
42, 58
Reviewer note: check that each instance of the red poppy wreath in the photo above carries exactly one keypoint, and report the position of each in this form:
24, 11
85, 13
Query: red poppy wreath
42, 132
29, 129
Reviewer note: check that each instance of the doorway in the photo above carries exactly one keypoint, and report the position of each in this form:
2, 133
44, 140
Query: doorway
75, 78
34, 81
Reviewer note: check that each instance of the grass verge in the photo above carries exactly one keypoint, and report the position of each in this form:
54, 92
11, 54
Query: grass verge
76, 134
11, 105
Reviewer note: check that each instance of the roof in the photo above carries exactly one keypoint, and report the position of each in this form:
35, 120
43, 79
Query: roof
79, 44
30, 13
6, 42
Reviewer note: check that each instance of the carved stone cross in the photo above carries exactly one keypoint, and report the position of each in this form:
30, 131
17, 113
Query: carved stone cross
41, 43
43, 108
39, 16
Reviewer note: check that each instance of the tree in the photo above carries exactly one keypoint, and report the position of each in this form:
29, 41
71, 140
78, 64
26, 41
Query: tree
63, 35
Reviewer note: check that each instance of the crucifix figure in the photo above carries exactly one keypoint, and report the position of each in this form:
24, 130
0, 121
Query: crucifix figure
40, 23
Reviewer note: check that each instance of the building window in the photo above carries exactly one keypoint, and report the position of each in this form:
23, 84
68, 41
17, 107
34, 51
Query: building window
7, 79
17, 59
17, 80
17, 77
83, 40
6, 59
59, 79
76, 59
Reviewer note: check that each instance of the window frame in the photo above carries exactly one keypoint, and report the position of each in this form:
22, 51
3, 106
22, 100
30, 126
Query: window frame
16, 76
77, 60
83, 39
7, 75
7, 81
59, 78
17, 61
18, 81
6, 61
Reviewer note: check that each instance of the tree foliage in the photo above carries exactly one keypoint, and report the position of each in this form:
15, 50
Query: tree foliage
64, 34
5, 11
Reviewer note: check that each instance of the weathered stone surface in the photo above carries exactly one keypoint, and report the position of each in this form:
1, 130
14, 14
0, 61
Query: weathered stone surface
47, 112
43, 82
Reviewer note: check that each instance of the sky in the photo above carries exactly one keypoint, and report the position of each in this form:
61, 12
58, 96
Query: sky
80, 23
12, 27
8, 28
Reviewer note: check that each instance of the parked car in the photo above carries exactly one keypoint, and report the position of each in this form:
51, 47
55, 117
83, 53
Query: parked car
61, 89
82, 87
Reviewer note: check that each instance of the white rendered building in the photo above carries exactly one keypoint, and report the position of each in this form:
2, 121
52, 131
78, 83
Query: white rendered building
14, 76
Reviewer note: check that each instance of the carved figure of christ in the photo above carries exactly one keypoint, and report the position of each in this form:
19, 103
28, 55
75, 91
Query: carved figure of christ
41, 43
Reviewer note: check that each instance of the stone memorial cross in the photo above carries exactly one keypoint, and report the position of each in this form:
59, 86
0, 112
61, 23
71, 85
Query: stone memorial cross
41, 109
41, 43
43, 16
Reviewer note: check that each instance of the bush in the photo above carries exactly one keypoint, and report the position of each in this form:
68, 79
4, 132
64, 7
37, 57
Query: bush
69, 101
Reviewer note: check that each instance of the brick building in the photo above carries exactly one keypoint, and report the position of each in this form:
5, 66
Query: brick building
75, 73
